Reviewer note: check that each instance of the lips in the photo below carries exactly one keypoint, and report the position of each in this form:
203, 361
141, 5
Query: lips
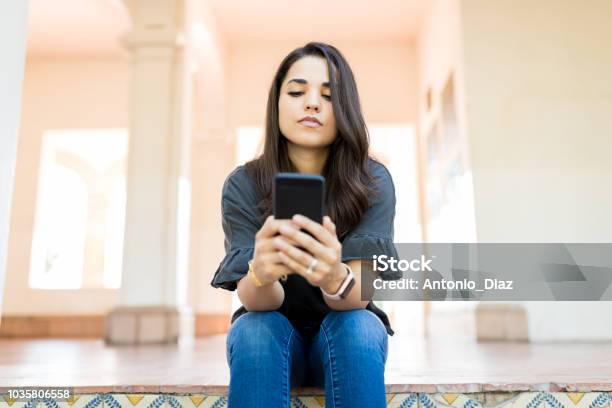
310, 121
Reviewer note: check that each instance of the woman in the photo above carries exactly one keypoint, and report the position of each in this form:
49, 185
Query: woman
294, 329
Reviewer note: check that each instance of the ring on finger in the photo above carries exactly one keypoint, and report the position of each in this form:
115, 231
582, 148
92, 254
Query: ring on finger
312, 266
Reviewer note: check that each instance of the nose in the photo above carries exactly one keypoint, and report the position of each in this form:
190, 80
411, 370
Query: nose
313, 102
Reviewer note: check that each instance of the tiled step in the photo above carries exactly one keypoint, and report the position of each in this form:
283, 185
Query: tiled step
419, 373
541, 399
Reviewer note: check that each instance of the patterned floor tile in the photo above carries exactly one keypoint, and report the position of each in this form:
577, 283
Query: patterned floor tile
194, 400
445, 400
4, 403
579, 400
134, 400
407, 400
203, 401
500, 399
526, 400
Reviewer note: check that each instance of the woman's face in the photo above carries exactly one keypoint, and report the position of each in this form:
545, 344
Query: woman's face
305, 112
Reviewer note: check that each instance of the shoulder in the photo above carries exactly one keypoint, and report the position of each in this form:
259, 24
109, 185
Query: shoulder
381, 178
238, 182
374, 233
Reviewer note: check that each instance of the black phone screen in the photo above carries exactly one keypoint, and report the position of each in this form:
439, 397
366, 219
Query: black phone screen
298, 193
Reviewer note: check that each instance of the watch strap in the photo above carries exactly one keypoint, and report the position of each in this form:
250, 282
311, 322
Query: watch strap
345, 287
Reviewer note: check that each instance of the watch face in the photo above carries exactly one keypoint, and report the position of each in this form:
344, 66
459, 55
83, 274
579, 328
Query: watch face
348, 288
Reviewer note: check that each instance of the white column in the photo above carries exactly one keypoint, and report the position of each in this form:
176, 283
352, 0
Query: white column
152, 297
13, 22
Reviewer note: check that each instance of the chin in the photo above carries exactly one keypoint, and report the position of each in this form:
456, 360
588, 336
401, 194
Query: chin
310, 139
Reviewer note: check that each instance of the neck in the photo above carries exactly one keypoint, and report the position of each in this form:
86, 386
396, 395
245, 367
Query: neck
307, 159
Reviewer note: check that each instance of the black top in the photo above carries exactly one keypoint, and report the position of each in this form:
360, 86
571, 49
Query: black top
303, 305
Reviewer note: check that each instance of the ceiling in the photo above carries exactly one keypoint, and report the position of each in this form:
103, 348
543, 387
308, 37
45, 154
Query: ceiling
75, 28
91, 27
330, 20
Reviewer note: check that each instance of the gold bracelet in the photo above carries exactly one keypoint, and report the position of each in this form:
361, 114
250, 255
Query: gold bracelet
256, 280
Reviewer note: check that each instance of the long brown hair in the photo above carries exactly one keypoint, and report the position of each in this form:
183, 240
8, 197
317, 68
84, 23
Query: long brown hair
346, 172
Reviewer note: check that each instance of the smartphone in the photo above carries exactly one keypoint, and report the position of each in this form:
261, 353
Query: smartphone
299, 193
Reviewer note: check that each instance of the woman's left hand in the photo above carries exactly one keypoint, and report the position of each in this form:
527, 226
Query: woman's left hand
328, 273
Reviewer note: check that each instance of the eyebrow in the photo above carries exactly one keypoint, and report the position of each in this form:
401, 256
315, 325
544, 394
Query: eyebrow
304, 82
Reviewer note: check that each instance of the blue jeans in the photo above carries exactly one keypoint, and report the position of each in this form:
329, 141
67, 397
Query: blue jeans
267, 357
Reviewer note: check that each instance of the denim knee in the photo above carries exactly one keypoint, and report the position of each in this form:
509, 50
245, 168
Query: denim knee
357, 330
256, 334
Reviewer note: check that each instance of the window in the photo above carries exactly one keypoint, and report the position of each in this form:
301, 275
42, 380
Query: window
80, 210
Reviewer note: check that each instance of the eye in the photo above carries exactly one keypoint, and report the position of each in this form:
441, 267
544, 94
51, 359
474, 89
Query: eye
295, 94
328, 97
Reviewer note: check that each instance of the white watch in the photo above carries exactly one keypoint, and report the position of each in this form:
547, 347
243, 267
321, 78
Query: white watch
345, 287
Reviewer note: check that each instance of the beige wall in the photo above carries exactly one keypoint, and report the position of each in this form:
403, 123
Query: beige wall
57, 94
385, 75
440, 56
539, 101
440, 53
211, 160
439, 49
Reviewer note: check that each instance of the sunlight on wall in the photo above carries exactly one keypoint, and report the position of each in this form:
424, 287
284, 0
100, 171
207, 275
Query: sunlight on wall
80, 210
454, 221
115, 224
395, 146
249, 143
59, 237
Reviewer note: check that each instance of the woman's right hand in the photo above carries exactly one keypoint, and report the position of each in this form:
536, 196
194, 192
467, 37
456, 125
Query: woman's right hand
267, 263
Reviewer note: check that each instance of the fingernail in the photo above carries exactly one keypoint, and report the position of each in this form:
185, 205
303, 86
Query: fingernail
286, 229
298, 218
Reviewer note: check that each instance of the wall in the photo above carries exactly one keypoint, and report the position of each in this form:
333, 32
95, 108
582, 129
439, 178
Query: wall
440, 56
13, 44
57, 94
212, 160
439, 50
539, 102
385, 75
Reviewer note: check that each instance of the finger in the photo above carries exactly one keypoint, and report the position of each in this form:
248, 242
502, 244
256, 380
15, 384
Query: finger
267, 229
267, 245
313, 278
295, 253
280, 270
271, 258
329, 225
289, 240
303, 258
274, 271
317, 230
308, 243
271, 226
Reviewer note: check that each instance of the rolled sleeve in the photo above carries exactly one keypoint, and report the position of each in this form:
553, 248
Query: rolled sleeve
240, 223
